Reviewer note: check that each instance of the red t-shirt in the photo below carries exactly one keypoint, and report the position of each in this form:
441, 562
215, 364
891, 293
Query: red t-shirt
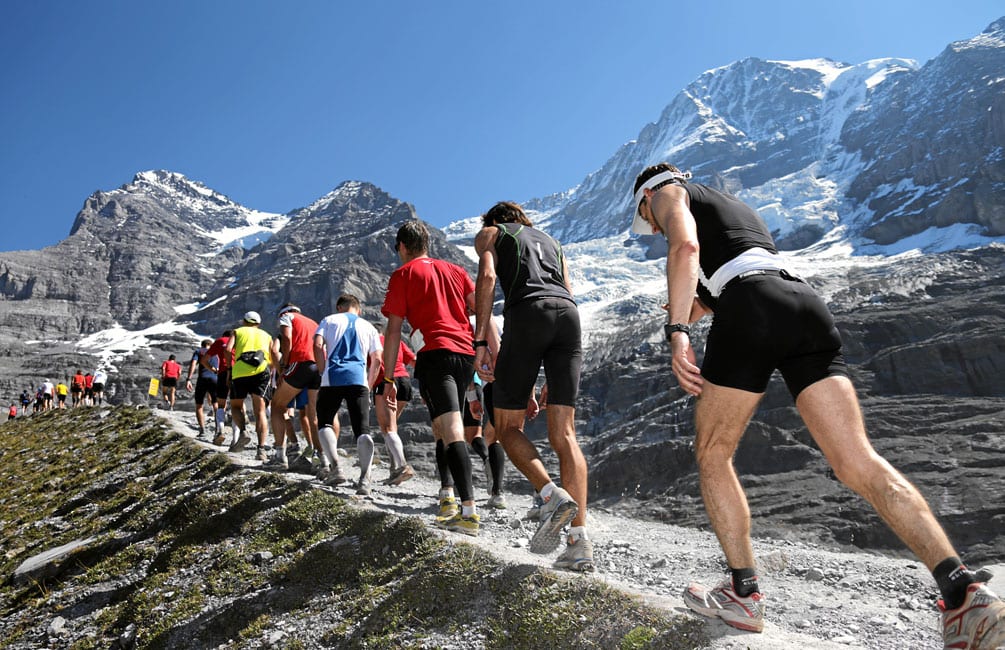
302, 331
405, 358
171, 369
219, 350
78, 381
431, 294
88, 381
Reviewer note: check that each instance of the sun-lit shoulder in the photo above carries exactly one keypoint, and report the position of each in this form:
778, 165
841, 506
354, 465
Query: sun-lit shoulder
485, 238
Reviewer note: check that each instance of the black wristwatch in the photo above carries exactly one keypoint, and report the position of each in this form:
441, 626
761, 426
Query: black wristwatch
670, 328
480, 343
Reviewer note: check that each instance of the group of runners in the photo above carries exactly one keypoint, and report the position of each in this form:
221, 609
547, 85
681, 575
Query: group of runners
721, 261
80, 389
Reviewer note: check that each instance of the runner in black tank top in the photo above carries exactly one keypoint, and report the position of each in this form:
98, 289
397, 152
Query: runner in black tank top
767, 319
529, 264
542, 327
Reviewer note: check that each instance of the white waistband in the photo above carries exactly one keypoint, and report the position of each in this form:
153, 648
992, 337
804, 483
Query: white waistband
752, 259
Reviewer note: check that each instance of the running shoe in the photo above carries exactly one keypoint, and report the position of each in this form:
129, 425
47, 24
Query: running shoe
261, 454
302, 464
323, 473
241, 443
534, 513
448, 509
276, 463
977, 624
467, 524
363, 486
558, 510
577, 556
335, 476
399, 475
219, 440
497, 501
741, 612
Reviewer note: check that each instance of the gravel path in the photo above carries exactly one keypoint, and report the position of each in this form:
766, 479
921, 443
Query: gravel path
816, 597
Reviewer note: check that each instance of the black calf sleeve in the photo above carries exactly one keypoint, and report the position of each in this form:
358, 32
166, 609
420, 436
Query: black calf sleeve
460, 467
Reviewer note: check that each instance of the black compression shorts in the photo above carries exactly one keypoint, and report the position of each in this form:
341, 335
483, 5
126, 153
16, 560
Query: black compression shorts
169, 382
765, 322
466, 416
443, 377
357, 400
303, 374
223, 385
536, 331
404, 385
204, 386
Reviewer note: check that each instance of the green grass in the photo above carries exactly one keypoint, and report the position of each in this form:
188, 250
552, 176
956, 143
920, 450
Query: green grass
194, 552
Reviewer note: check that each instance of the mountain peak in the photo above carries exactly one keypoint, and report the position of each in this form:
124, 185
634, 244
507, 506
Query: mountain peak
164, 181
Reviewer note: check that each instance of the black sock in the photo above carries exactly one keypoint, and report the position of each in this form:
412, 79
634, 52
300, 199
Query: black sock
478, 444
744, 581
446, 481
460, 467
497, 462
953, 579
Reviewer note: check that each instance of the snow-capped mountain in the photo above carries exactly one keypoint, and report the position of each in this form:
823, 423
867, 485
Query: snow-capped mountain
883, 149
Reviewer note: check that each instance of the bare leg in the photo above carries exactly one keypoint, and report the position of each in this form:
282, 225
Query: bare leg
571, 463
261, 421
721, 416
283, 395
831, 412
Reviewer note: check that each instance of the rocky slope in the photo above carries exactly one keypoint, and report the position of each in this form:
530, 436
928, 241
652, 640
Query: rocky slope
168, 542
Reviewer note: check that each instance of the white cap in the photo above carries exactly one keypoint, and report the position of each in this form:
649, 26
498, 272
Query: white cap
639, 225
252, 317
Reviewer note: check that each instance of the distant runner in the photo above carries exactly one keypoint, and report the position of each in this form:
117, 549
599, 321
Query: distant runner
170, 372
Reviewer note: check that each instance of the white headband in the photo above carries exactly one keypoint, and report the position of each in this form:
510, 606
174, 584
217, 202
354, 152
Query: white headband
639, 225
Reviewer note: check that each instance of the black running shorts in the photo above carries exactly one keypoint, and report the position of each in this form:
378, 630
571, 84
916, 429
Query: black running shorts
443, 378
404, 385
763, 323
169, 382
357, 400
466, 415
253, 385
487, 404
535, 331
223, 385
303, 374
204, 386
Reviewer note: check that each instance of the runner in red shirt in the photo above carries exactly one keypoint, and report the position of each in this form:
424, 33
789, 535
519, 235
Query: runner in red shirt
297, 371
77, 388
435, 295
88, 389
170, 372
224, 361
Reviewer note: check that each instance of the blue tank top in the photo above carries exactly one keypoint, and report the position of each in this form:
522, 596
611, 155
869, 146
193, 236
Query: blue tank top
346, 361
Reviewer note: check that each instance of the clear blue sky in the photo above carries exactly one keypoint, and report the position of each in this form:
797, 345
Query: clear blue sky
448, 105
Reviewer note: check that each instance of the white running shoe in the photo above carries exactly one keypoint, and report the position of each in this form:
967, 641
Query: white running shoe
741, 612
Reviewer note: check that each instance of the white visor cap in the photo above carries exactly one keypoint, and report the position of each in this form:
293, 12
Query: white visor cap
639, 225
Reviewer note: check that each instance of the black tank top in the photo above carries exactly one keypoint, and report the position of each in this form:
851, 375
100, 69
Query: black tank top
726, 227
529, 264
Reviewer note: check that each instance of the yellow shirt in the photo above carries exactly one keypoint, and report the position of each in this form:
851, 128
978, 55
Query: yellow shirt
250, 339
